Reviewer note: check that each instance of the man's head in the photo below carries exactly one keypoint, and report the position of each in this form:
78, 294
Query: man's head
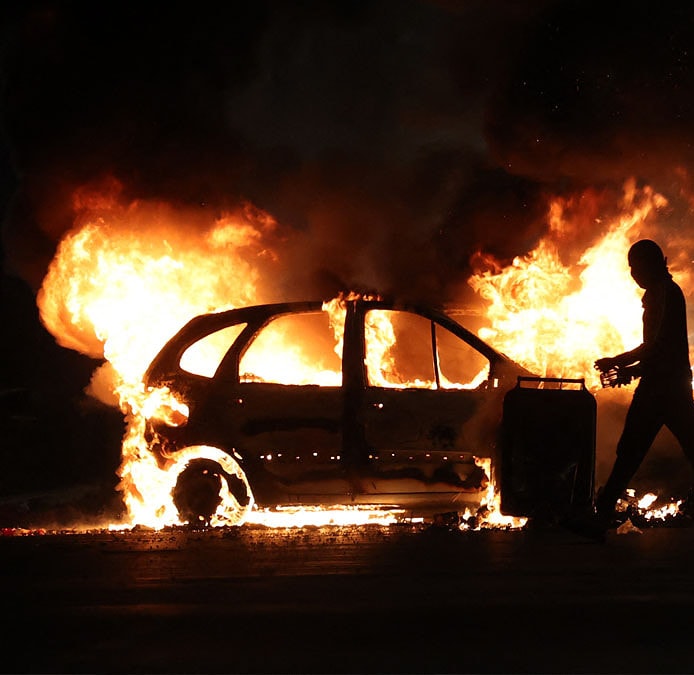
647, 262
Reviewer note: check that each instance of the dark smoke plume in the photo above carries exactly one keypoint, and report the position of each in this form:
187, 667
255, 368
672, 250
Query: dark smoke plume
399, 137
391, 133
358, 125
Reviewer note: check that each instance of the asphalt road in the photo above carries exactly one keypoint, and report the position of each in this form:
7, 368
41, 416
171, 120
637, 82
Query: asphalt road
398, 599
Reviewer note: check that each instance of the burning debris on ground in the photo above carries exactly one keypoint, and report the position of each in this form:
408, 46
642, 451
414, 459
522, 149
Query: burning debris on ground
650, 510
42, 515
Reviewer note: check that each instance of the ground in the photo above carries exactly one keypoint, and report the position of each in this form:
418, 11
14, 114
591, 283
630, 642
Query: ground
404, 598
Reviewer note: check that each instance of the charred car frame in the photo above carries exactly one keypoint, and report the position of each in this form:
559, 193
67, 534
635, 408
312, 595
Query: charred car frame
351, 432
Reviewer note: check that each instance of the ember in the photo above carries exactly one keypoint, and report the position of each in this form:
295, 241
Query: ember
650, 509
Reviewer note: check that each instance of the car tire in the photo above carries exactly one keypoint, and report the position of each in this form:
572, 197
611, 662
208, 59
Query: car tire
205, 493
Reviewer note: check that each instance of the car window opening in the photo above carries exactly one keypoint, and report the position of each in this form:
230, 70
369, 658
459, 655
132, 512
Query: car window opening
405, 350
297, 349
204, 356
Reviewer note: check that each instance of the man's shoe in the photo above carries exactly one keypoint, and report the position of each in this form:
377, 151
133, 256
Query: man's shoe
590, 526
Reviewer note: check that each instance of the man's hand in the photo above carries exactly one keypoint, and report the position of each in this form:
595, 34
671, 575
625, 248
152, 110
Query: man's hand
605, 364
613, 372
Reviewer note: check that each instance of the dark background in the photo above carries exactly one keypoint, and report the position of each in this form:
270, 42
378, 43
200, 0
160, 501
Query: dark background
398, 137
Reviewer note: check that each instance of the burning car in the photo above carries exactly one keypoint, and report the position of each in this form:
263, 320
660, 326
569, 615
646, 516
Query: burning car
357, 400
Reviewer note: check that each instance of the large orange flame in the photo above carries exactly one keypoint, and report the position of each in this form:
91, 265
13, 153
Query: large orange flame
557, 319
122, 283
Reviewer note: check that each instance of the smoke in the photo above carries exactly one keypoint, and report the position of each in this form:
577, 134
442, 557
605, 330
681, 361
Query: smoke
599, 91
358, 126
396, 139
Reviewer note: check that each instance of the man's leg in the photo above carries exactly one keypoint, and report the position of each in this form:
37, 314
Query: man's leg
679, 418
643, 422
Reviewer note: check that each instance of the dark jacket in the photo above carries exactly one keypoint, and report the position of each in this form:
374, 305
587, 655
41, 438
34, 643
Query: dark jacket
664, 354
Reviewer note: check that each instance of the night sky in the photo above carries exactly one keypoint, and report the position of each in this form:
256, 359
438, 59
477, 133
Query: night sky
398, 137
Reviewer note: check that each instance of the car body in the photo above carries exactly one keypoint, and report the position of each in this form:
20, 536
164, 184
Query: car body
399, 414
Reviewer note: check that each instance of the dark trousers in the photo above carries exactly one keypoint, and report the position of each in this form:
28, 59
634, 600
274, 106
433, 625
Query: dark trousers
654, 405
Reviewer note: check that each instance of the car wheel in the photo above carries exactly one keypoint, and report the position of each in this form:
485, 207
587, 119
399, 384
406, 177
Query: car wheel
212, 489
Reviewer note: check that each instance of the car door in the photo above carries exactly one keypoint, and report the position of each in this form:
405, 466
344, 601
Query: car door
285, 410
428, 404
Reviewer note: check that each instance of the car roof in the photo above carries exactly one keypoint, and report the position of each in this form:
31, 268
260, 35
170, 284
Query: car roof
206, 324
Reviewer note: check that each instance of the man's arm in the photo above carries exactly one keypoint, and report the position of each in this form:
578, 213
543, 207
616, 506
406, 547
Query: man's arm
621, 360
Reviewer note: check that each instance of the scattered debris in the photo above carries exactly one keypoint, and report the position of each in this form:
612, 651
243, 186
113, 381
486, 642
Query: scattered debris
627, 527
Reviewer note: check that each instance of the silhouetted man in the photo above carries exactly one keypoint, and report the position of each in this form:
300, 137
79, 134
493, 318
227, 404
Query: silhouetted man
664, 393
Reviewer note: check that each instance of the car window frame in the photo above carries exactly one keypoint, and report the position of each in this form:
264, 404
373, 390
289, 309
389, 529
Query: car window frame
436, 318
245, 342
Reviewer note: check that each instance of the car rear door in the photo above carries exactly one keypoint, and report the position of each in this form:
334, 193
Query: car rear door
427, 389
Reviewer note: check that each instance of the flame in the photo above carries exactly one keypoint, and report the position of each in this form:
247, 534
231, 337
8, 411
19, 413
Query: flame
317, 516
650, 507
647, 500
129, 275
557, 319
123, 281
489, 514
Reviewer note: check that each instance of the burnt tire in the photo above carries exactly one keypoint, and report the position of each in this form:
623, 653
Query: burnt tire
197, 493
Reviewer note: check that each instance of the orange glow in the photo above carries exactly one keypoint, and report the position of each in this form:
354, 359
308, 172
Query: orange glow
123, 283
